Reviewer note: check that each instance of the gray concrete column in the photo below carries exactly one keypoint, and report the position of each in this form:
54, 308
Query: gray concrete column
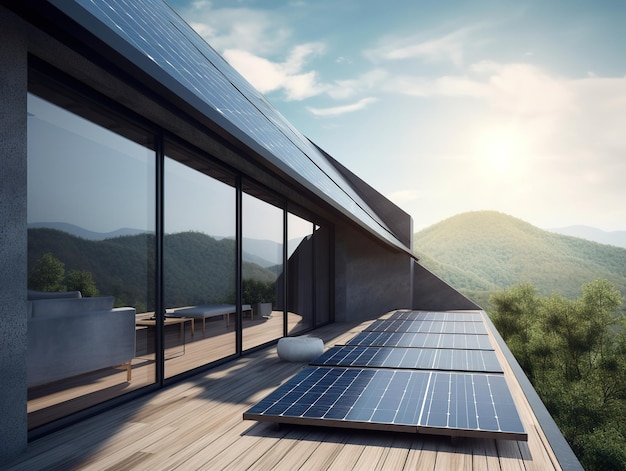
13, 235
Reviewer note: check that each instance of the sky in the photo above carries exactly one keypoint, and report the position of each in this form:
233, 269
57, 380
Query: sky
448, 107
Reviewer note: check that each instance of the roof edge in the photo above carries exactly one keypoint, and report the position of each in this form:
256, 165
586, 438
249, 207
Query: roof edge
563, 452
398, 221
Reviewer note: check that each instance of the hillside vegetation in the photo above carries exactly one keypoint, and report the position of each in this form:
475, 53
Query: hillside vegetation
556, 301
574, 354
482, 252
197, 268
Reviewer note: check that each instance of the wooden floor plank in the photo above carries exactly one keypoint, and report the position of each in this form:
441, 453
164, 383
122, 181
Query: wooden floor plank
397, 454
422, 456
197, 424
303, 444
327, 451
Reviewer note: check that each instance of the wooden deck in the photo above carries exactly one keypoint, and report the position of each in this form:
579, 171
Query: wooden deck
197, 424
56, 400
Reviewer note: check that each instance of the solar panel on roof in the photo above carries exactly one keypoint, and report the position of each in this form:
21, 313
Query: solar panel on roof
411, 358
444, 327
422, 340
463, 404
154, 37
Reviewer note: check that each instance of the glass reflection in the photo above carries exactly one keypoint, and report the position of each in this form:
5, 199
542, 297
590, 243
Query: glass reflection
91, 252
262, 267
199, 259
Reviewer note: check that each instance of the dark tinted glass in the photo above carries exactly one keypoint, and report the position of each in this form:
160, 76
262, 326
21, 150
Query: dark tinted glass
91, 258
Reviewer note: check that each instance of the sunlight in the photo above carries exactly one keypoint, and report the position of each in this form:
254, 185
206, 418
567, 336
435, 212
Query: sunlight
502, 151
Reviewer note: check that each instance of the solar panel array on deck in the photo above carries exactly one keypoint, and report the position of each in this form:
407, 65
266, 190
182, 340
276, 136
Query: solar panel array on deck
432, 326
422, 340
411, 358
436, 316
445, 381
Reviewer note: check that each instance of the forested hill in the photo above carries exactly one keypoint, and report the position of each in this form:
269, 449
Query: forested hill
484, 251
123, 266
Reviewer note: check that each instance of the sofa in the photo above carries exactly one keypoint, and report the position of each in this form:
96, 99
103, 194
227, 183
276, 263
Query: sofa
69, 335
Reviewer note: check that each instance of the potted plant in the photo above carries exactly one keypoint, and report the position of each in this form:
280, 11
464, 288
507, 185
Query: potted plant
259, 295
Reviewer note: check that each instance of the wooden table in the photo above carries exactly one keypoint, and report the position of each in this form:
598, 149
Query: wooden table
151, 322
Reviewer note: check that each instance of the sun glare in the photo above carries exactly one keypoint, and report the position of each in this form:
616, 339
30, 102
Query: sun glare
501, 151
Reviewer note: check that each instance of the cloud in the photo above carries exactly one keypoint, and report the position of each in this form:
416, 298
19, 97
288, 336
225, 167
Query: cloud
371, 80
259, 32
578, 119
553, 146
447, 86
338, 110
267, 76
257, 44
446, 48
525, 89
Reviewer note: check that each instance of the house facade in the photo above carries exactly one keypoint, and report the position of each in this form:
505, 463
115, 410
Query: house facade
160, 217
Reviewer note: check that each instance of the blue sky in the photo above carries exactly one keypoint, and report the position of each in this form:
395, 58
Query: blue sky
447, 107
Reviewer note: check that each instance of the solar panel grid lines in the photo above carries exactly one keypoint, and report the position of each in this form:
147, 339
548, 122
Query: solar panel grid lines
422, 340
419, 401
397, 381
410, 358
157, 40
436, 326
436, 315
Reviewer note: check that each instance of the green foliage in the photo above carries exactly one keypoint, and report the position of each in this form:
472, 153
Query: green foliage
198, 269
256, 291
602, 450
574, 353
517, 313
81, 281
486, 250
47, 274
571, 346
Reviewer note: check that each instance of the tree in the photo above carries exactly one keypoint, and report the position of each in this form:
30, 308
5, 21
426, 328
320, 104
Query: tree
81, 281
256, 291
574, 353
515, 317
47, 274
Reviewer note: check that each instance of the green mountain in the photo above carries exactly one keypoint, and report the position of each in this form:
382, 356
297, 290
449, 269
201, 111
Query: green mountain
484, 251
198, 269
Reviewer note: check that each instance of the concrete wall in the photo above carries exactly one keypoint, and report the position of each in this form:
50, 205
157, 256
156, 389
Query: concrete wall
13, 244
370, 279
430, 293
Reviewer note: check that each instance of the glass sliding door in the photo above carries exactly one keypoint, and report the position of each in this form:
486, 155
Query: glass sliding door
91, 256
199, 262
262, 268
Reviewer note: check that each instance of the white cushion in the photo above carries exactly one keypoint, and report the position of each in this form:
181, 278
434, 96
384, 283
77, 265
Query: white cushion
303, 348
